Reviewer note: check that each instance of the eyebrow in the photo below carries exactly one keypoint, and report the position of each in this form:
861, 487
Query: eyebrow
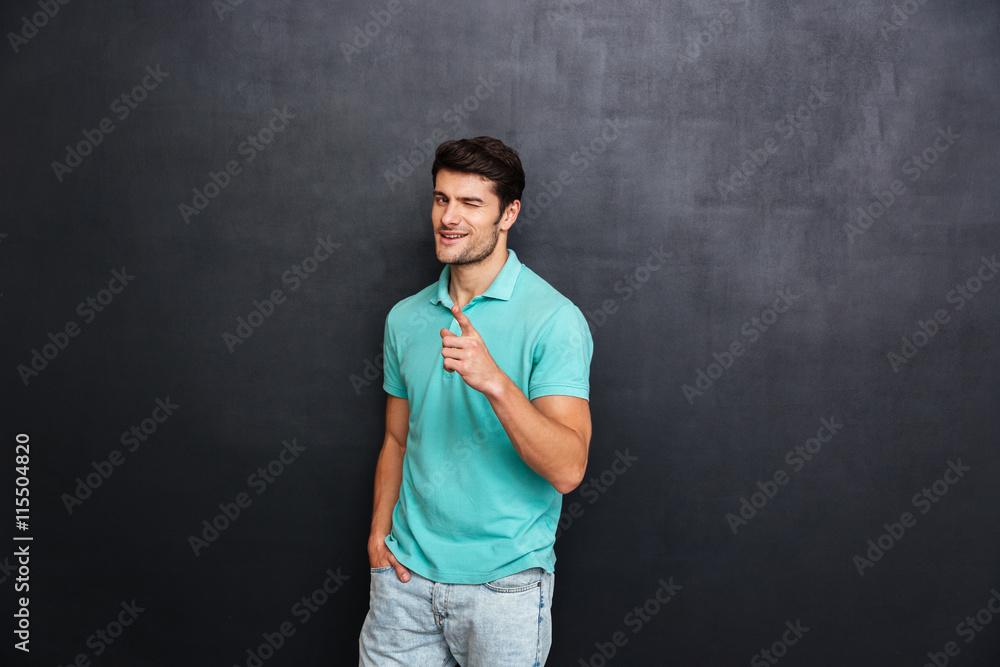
474, 200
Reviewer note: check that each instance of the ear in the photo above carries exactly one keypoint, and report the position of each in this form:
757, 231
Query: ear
510, 215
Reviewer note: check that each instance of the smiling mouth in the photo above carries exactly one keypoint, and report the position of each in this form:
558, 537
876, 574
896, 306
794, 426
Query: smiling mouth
452, 237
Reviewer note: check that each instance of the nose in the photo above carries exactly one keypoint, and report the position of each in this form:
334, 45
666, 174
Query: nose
450, 217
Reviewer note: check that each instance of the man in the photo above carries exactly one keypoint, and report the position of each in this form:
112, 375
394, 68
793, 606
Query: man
487, 424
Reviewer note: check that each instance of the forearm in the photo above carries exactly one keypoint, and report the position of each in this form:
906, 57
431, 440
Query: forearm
388, 478
554, 451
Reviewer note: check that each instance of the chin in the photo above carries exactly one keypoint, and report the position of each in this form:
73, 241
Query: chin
462, 256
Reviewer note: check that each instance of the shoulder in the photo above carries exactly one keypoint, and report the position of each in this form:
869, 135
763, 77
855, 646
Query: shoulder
412, 305
543, 302
548, 316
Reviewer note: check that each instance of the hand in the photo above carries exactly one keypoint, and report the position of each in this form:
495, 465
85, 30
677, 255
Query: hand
380, 556
468, 355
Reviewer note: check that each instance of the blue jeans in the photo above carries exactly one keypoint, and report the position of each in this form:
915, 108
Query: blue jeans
503, 623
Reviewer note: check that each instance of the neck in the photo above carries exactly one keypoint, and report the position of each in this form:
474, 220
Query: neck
470, 280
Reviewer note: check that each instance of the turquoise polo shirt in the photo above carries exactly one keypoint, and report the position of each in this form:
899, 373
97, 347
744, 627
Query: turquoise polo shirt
470, 510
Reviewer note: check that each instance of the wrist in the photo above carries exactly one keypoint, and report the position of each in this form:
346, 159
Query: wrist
499, 388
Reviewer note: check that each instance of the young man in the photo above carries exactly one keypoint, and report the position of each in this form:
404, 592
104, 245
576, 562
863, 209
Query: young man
487, 424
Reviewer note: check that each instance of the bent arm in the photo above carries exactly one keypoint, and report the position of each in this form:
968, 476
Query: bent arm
551, 433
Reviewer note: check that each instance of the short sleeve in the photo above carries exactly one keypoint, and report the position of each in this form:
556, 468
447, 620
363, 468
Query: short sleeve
560, 362
392, 381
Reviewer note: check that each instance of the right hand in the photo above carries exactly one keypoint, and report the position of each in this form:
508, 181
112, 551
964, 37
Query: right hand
380, 556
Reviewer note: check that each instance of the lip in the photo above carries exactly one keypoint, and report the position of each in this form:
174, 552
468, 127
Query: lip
447, 241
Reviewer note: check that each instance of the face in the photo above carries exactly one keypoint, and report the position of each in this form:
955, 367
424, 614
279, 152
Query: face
466, 207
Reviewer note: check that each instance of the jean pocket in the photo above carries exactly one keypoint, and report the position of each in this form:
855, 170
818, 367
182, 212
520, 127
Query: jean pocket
377, 570
518, 582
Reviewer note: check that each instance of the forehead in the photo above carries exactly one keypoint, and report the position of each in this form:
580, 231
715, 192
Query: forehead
461, 185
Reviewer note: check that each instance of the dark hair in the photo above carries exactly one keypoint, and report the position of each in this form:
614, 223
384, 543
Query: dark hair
488, 157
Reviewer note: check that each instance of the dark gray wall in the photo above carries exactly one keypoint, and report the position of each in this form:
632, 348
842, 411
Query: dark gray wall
715, 154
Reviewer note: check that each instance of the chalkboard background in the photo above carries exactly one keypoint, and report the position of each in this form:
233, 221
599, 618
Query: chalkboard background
780, 219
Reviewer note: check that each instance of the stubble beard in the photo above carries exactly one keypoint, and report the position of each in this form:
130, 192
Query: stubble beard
481, 251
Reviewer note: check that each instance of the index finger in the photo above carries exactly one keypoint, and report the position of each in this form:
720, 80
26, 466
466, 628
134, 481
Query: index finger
463, 320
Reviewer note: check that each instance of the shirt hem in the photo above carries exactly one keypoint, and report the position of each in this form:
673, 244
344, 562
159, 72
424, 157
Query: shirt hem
559, 390
394, 391
473, 578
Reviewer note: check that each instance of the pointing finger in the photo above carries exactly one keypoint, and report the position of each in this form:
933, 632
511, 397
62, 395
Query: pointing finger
463, 320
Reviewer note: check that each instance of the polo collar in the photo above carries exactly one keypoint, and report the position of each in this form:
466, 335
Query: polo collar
501, 288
